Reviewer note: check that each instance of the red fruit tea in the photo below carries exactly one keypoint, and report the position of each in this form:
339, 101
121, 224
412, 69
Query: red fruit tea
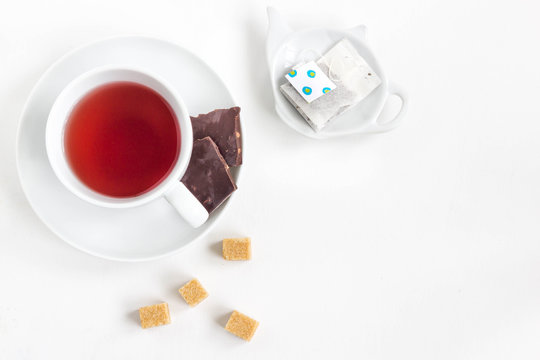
122, 139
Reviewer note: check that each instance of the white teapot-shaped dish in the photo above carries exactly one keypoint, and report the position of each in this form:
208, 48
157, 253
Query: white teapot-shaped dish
286, 48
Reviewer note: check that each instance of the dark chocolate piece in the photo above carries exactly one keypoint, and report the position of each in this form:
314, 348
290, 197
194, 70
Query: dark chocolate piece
223, 126
208, 176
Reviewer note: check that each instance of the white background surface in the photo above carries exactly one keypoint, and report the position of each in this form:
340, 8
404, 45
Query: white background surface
422, 243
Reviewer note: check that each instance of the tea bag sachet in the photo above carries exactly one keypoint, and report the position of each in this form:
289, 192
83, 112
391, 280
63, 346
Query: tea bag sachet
310, 81
354, 80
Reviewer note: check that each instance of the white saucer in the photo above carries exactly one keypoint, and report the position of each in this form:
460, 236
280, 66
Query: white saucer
142, 233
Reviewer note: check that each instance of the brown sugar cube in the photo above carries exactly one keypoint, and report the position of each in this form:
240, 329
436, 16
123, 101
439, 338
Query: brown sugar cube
237, 249
154, 315
193, 292
241, 325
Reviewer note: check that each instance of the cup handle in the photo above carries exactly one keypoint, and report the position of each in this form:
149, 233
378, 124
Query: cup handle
393, 90
187, 205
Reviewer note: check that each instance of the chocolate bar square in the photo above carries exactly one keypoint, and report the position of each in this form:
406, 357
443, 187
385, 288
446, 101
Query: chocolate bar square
223, 126
208, 176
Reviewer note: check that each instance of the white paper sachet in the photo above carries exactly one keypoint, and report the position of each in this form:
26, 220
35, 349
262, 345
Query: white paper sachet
310, 81
354, 80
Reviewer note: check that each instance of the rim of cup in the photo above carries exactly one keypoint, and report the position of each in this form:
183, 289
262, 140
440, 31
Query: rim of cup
69, 98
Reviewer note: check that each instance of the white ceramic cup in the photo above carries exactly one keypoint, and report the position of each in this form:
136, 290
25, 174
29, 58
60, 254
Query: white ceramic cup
171, 188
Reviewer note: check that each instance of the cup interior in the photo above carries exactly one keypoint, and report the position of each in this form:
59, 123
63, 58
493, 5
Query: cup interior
63, 107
